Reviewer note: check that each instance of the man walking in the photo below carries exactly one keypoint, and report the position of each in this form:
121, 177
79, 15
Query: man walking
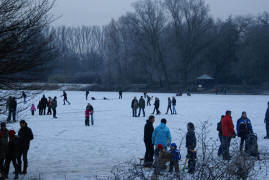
266, 121
65, 98
148, 130
244, 129
142, 105
25, 136
169, 106
227, 128
156, 106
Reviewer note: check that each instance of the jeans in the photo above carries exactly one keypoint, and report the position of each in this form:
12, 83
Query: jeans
143, 109
134, 112
7, 165
244, 139
54, 112
174, 110
13, 114
220, 147
169, 107
87, 121
226, 140
22, 154
92, 119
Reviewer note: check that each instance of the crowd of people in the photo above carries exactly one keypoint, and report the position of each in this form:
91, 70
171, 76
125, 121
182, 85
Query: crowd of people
14, 148
46, 106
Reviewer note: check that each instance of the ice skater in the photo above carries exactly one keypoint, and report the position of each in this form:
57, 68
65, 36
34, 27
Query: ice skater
65, 98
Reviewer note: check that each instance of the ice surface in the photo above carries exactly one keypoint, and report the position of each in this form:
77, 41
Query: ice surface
64, 148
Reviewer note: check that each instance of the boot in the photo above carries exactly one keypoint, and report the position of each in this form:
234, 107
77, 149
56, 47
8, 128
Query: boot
19, 169
24, 170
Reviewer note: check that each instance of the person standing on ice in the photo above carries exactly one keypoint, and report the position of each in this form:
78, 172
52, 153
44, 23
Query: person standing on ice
191, 145
244, 129
3, 145
33, 109
227, 129
43, 105
24, 97
120, 94
65, 98
141, 105
266, 121
148, 130
169, 106
90, 109
54, 106
12, 108
87, 115
220, 136
161, 135
49, 106
87, 94
134, 106
156, 106
25, 136
174, 102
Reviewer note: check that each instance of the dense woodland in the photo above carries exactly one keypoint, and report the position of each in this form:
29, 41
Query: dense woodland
162, 42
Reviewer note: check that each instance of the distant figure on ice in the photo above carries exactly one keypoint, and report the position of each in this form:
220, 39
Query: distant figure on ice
54, 106
145, 94
169, 106
266, 121
65, 98
148, 130
12, 108
156, 106
141, 105
39, 108
188, 92
174, 103
93, 98
134, 106
179, 94
161, 135
24, 97
33, 109
120, 94
87, 115
191, 145
90, 110
87, 94
11, 156
105, 98
49, 106
25, 136
227, 129
148, 100
244, 129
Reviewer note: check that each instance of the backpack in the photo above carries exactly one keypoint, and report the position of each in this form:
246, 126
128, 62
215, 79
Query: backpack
252, 145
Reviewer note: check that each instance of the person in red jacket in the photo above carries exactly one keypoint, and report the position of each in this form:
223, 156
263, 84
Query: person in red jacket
227, 130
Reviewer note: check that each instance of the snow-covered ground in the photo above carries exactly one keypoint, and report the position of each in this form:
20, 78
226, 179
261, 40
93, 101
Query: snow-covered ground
64, 148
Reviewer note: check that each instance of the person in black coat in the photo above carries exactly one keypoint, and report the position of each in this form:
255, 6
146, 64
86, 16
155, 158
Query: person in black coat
191, 145
43, 105
65, 98
148, 100
87, 94
169, 106
120, 94
12, 108
156, 106
25, 136
220, 136
141, 105
266, 121
148, 130
134, 106
11, 154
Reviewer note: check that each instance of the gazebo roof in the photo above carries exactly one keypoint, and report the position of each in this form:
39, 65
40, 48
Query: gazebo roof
205, 77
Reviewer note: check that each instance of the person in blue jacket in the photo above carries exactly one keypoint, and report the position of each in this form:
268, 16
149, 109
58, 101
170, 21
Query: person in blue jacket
244, 129
161, 135
174, 159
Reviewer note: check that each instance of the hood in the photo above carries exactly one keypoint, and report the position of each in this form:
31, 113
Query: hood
162, 126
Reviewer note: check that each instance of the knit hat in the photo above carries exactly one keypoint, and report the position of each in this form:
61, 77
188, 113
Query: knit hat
11, 134
174, 145
160, 146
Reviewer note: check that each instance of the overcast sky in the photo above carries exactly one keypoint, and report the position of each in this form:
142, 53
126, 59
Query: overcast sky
100, 12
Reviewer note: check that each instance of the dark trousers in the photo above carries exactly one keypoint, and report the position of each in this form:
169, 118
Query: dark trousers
226, 140
192, 161
143, 109
33, 112
157, 110
49, 111
169, 107
54, 112
148, 103
149, 152
134, 112
173, 164
220, 147
7, 165
65, 100
267, 129
120, 96
87, 121
2, 164
22, 154
244, 139
13, 114
40, 111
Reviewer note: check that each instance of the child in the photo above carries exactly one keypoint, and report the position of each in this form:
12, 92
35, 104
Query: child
174, 158
33, 109
156, 163
39, 108
191, 145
